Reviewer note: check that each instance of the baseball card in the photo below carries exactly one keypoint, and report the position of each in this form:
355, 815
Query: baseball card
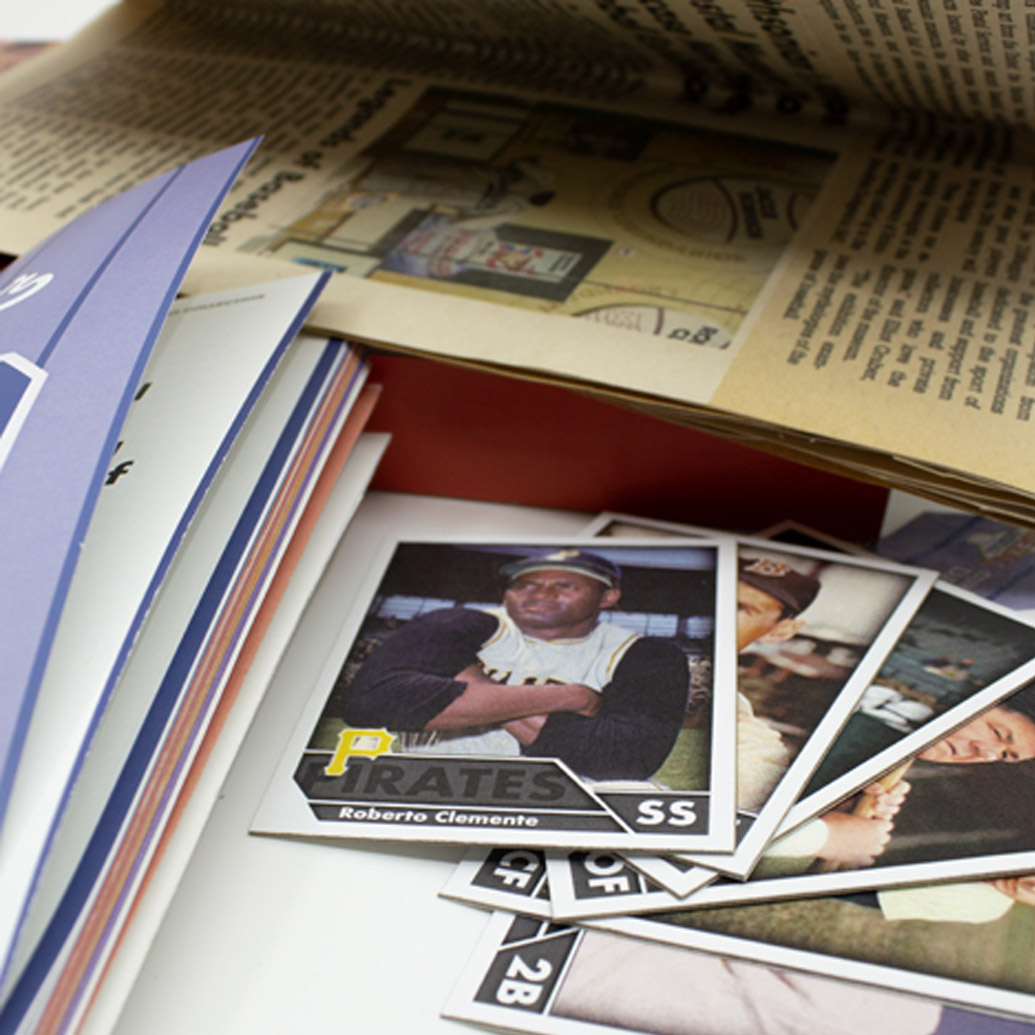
680, 876
526, 694
820, 968
955, 811
813, 629
555, 885
958, 656
513, 879
585, 885
797, 534
954, 691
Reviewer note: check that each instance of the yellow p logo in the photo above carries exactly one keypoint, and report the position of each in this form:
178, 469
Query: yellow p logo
354, 743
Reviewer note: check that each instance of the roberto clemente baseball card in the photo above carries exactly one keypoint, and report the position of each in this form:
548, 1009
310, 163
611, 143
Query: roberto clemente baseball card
525, 694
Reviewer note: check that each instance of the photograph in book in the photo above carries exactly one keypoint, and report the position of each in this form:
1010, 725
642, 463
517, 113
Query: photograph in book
640, 225
813, 628
656, 977
524, 693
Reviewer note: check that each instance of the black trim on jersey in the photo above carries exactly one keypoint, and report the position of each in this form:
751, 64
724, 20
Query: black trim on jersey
408, 680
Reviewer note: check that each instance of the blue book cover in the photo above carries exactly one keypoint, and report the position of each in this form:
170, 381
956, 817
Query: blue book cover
78, 317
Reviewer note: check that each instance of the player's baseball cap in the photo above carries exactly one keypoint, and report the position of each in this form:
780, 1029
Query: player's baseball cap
777, 578
566, 559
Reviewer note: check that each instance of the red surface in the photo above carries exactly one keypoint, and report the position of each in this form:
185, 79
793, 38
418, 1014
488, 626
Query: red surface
474, 435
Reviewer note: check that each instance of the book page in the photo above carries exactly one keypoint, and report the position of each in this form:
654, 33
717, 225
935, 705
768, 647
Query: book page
876, 290
902, 323
828, 57
217, 355
960, 61
477, 200
83, 311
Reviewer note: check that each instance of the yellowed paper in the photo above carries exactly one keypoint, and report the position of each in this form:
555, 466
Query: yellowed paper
860, 306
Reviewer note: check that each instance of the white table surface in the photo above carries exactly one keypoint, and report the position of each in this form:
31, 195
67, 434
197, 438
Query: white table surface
47, 20
267, 936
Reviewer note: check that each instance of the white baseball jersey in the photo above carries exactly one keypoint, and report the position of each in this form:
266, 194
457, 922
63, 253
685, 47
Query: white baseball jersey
514, 659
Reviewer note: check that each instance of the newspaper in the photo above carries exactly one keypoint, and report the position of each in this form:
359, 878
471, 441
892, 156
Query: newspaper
808, 226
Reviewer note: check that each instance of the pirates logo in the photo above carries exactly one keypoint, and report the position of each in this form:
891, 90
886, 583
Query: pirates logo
769, 568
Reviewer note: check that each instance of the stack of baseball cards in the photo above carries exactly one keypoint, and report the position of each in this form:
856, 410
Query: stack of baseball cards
715, 784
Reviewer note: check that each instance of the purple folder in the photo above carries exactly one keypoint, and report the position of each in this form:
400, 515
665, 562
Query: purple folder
79, 315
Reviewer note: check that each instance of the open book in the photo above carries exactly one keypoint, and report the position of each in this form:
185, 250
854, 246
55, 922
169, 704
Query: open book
806, 227
163, 467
